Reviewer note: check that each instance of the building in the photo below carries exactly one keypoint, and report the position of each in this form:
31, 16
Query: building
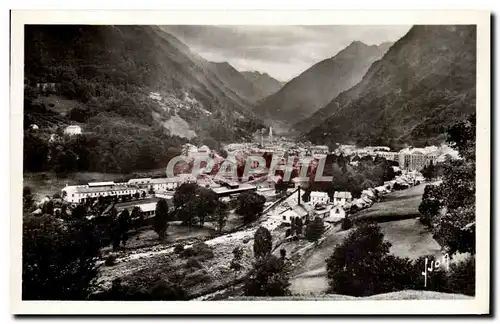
302, 182
148, 210
336, 213
318, 197
224, 191
342, 198
204, 150
79, 193
416, 160
141, 183
166, 184
34, 126
73, 130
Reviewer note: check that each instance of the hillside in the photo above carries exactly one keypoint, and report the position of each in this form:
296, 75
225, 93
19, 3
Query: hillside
425, 82
123, 85
318, 85
266, 84
236, 81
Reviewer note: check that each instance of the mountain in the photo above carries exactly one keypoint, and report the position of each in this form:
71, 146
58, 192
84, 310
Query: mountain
266, 84
128, 85
236, 81
424, 83
136, 59
318, 85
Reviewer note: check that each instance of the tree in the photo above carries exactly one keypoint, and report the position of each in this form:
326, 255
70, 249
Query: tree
78, 212
59, 259
281, 187
144, 194
429, 171
430, 205
124, 224
315, 229
306, 196
450, 207
48, 207
269, 277
28, 199
160, 224
297, 225
137, 217
236, 261
137, 195
221, 215
350, 267
263, 242
250, 205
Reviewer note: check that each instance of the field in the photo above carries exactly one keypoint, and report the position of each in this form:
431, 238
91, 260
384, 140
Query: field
396, 205
408, 237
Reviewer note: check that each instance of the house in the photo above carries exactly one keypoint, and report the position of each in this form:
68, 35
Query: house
336, 213
73, 130
203, 150
79, 193
141, 183
302, 182
298, 211
34, 126
164, 184
342, 197
147, 210
318, 197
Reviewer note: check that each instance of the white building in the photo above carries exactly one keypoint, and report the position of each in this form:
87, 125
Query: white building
318, 197
165, 184
79, 193
73, 130
342, 198
336, 213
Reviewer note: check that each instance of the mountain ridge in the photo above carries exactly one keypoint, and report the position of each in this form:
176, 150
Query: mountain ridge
424, 82
315, 87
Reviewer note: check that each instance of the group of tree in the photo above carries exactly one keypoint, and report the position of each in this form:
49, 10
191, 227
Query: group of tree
368, 173
194, 205
59, 258
448, 209
250, 205
362, 266
270, 275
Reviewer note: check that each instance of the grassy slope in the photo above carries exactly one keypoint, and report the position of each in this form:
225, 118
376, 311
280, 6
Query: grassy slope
407, 236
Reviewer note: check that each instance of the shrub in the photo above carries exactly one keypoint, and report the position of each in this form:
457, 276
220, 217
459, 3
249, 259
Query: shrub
262, 243
462, 278
269, 277
315, 229
179, 248
110, 260
346, 223
193, 263
361, 265
199, 250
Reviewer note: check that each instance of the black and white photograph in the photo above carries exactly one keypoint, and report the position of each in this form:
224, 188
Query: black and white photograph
328, 162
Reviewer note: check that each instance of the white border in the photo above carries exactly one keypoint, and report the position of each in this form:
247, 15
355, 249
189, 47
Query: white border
479, 305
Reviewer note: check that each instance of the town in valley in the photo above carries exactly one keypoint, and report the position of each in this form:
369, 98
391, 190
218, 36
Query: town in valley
154, 171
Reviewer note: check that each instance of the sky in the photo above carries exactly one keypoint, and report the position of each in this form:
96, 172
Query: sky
281, 51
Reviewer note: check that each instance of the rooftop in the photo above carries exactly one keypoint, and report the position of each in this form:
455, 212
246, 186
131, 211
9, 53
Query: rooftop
342, 194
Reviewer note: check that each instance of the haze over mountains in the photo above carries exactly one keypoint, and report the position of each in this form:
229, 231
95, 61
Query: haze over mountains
318, 85
425, 82
250, 85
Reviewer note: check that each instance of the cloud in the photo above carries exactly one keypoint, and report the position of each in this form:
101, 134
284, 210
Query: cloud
281, 51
